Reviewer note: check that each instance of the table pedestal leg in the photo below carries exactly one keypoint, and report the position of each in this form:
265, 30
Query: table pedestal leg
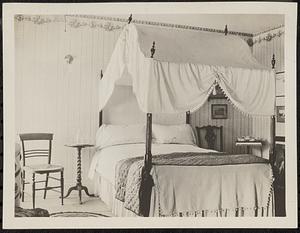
79, 186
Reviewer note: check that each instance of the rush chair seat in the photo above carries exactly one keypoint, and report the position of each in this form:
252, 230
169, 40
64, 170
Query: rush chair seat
45, 168
210, 137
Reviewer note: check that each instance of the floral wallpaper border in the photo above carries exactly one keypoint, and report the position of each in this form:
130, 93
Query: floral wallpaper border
92, 21
112, 23
71, 21
268, 35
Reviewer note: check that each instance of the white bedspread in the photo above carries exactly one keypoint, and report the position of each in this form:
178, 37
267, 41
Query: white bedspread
211, 188
105, 160
194, 189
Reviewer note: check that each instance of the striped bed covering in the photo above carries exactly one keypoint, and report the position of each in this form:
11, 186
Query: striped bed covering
249, 176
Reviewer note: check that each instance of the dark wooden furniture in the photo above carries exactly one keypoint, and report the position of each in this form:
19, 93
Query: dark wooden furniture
279, 175
79, 185
45, 168
210, 137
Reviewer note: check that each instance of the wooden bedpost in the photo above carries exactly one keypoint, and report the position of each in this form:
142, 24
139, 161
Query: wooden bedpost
226, 30
152, 50
101, 112
272, 144
188, 117
272, 154
273, 61
148, 155
147, 181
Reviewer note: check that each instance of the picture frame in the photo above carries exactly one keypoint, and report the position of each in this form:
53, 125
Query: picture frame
219, 111
280, 114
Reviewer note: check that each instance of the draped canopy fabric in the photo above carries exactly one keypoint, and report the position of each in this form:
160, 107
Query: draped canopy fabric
184, 70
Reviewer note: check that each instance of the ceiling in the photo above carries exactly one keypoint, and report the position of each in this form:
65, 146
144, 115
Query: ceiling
248, 23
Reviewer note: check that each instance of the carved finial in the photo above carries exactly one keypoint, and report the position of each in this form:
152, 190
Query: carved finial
153, 49
273, 61
226, 30
129, 19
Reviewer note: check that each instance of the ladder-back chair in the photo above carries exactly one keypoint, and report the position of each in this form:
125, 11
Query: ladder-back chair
210, 137
30, 153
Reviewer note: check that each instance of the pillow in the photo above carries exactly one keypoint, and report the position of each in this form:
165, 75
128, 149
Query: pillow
179, 134
109, 135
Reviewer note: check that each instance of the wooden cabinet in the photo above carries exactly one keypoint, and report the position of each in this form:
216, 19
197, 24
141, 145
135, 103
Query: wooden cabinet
279, 175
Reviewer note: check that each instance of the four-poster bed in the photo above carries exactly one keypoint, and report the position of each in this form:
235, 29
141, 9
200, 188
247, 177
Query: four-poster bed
177, 78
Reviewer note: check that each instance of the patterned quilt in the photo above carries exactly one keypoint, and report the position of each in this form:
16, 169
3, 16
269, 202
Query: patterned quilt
129, 176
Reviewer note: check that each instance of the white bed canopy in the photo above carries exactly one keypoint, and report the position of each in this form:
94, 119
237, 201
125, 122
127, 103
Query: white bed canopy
184, 69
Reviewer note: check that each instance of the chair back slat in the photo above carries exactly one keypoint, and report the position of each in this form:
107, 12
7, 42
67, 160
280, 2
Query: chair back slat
34, 156
36, 136
39, 152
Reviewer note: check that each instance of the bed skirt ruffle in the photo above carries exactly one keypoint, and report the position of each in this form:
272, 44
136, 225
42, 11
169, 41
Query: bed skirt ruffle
106, 192
104, 189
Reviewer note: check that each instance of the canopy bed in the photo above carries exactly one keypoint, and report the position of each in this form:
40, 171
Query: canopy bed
174, 71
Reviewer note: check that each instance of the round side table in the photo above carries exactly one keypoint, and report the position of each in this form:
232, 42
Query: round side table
79, 185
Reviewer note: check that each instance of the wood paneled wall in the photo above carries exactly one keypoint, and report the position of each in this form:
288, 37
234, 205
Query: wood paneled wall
54, 96
263, 52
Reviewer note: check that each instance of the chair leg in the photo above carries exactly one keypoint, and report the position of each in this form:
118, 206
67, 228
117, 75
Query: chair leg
62, 186
33, 190
46, 184
23, 184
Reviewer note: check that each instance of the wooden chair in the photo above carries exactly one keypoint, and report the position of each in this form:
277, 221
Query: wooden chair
41, 169
210, 137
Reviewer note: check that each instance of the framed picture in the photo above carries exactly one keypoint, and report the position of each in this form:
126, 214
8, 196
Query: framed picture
280, 113
219, 111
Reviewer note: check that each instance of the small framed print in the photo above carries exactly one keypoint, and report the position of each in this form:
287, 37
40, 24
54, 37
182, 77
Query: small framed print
280, 113
219, 111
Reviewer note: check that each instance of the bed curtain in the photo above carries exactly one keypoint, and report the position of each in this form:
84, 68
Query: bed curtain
185, 68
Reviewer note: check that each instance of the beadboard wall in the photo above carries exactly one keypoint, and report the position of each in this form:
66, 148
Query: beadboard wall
263, 51
54, 96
